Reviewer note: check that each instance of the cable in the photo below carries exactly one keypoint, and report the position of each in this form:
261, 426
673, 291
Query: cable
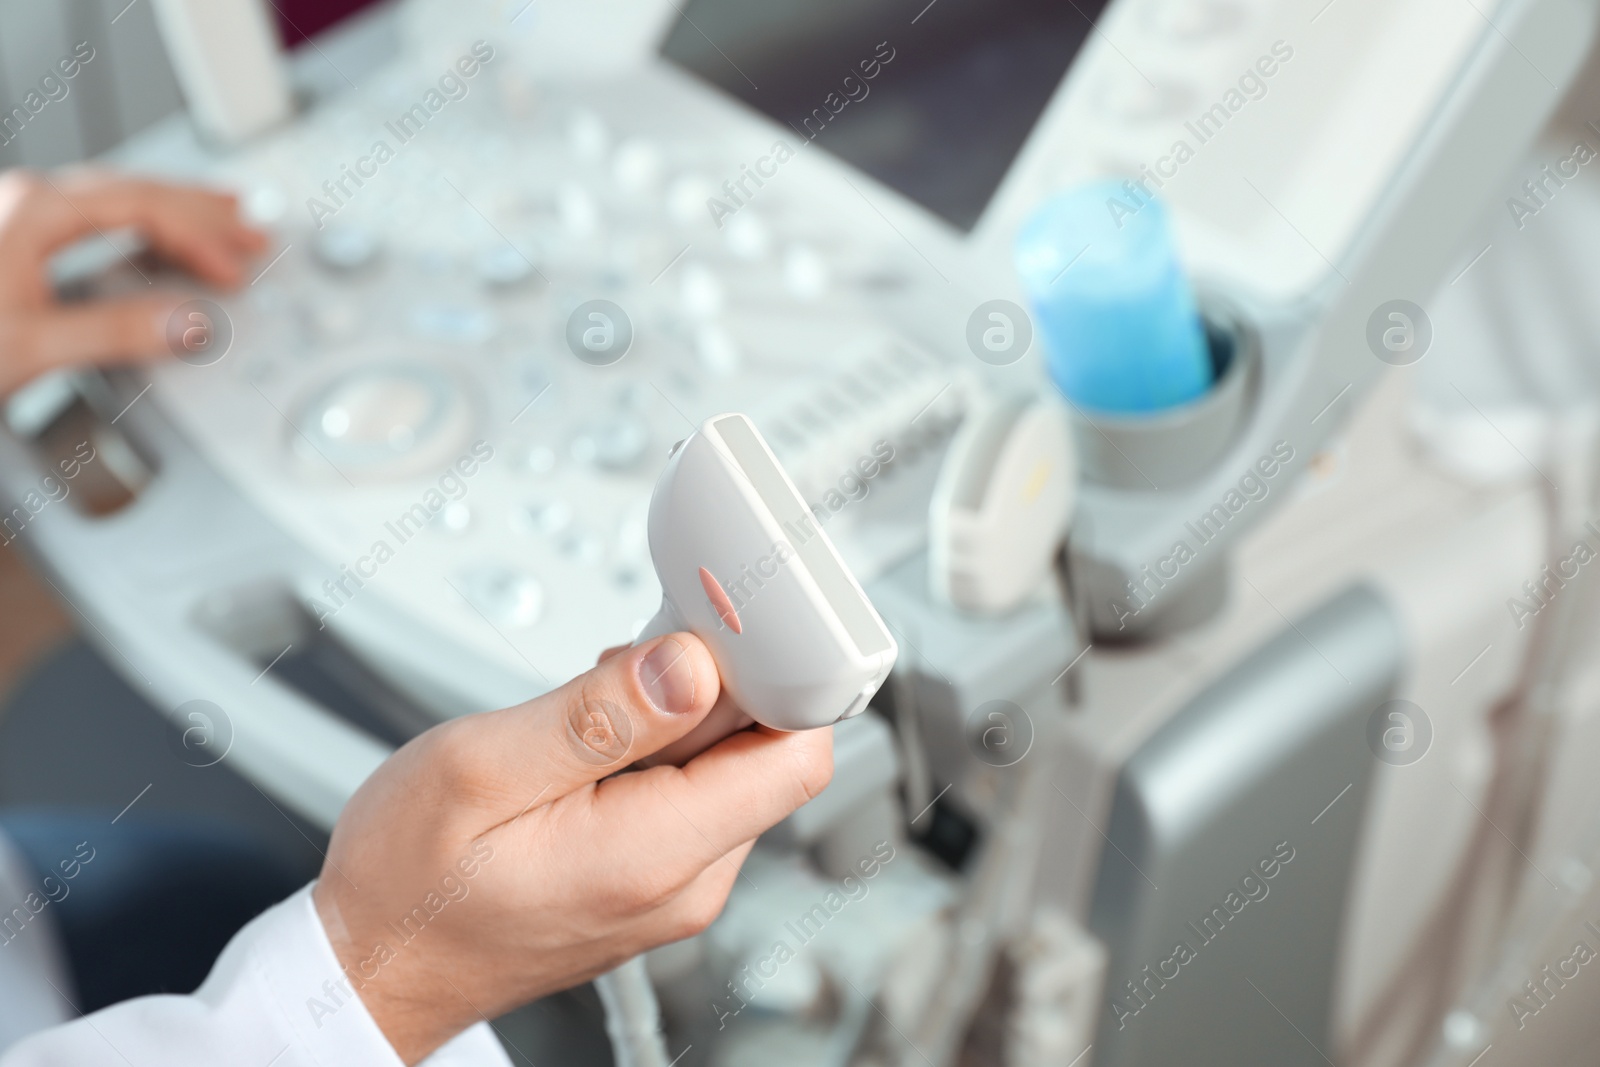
633, 1017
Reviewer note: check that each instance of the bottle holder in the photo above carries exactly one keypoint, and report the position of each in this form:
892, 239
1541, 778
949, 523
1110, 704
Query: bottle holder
1169, 448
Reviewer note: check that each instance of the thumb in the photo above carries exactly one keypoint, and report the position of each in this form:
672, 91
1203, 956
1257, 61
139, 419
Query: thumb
627, 707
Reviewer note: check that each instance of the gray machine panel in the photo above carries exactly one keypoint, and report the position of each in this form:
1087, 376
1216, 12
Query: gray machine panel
1264, 771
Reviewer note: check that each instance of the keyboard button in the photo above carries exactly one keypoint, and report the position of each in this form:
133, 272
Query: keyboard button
506, 597
264, 205
588, 136
700, 291
718, 351
455, 323
335, 320
805, 272
636, 168
586, 548
503, 267
747, 236
687, 197
616, 444
541, 460
579, 212
549, 518
346, 248
454, 518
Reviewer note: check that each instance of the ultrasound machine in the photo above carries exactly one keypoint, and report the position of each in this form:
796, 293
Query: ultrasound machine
1146, 809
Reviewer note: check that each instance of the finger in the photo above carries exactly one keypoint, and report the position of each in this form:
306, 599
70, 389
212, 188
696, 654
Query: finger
697, 905
199, 228
612, 651
725, 718
595, 725
663, 916
112, 331
731, 793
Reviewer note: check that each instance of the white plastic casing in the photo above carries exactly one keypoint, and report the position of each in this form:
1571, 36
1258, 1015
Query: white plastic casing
745, 567
1001, 507
225, 54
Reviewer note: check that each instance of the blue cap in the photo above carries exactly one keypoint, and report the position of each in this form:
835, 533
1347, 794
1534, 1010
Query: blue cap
1113, 306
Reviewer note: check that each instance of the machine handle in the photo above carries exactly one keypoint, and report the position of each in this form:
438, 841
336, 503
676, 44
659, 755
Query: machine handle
137, 578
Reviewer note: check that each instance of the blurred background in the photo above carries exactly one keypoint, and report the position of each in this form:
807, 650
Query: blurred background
1203, 391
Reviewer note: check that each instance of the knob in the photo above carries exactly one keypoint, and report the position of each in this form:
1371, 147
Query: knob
380, 413
346, 248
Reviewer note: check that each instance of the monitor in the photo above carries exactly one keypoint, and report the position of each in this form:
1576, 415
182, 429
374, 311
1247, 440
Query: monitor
933, 99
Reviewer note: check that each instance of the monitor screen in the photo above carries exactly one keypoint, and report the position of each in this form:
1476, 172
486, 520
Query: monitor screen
932, 99
301, 20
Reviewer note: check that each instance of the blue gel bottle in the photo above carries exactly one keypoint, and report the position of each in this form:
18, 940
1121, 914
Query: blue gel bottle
1117, 315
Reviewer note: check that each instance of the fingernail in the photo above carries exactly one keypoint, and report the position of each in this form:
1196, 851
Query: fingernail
667, 676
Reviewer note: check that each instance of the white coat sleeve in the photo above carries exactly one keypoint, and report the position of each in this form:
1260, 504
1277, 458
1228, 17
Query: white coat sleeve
276, 996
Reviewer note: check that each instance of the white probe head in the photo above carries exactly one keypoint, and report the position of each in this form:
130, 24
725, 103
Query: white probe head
1002, 505
745, 567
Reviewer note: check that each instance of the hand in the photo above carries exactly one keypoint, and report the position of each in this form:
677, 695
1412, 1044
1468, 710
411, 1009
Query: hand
40, 214
492, 860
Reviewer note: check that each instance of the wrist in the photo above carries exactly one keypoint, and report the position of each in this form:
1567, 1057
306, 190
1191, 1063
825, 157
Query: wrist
390, 994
